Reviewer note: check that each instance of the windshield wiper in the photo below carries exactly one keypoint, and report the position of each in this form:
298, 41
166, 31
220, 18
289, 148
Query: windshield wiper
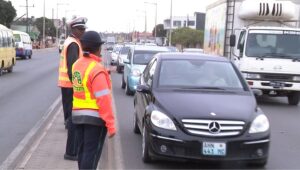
277, 55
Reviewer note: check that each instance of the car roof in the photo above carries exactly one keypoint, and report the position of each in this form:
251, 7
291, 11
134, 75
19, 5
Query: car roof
191, 56
149, 48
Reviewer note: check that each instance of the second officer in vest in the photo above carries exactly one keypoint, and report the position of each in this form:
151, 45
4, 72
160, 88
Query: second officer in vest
92, 102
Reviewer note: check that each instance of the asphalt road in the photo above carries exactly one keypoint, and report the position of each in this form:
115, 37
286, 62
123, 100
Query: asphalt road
25, 96
285, 135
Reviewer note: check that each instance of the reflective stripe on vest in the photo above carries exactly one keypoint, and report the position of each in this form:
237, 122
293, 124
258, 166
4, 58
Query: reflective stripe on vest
63, 77
88, 102
92, 113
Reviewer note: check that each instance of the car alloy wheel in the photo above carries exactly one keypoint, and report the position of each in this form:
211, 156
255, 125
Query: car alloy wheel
145, 146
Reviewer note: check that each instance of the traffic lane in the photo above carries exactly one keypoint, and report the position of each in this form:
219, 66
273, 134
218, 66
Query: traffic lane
26, 94
132, 143
285, 136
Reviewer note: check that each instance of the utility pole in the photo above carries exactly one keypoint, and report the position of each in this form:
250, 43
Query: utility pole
44, 26
58, 26
27, 21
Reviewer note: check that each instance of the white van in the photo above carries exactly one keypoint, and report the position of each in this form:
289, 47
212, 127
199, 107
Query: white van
23, 44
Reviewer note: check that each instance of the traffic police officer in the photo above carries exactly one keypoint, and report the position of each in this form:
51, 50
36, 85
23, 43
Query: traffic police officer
70, 53
92, 102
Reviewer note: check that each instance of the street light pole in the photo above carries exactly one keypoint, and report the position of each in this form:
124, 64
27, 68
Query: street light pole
155, 16
170, 36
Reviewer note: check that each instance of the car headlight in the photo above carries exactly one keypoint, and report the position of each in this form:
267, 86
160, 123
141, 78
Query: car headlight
136, 72
260, 124
251, 76
161, 120
296, 78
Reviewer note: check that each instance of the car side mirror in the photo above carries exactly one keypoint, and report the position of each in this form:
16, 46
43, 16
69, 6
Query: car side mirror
126, 61
257, 92
143, 88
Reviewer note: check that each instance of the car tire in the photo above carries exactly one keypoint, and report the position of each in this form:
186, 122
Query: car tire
119, 70
293, 98
123, 84
10, 69
136, 129
258, 164
127, 89
145, 147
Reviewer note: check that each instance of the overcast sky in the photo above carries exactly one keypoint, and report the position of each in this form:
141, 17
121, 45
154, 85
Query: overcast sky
113, 15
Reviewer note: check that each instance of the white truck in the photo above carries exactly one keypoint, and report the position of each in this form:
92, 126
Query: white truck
262, 37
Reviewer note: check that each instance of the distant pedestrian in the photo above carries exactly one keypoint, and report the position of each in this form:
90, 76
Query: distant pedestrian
92, 102
70, 53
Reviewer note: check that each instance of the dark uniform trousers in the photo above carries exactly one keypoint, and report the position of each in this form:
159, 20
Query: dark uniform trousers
89, 138
67, 99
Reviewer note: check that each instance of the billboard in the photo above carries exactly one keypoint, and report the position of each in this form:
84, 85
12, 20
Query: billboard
214, 34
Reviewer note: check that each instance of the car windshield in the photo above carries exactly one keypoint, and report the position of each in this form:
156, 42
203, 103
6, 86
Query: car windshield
199, 74
143, 57
124, 50
17, 37
277, 44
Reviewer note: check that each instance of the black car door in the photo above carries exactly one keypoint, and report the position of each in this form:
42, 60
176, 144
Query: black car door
144, 99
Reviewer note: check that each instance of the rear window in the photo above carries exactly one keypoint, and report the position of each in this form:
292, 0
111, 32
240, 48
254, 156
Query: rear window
124, 50
143, 57
17, 37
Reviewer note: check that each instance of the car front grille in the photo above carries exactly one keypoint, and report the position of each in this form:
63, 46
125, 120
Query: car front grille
277, 77
213, 128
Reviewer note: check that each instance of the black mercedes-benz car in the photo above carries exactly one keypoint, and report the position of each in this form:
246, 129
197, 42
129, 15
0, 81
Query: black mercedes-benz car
199, 107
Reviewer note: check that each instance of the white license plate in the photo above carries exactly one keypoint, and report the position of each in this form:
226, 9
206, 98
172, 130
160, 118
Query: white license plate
214, 149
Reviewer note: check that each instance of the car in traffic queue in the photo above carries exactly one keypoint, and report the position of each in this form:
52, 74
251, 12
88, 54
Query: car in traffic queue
135, 63
193, 50
122, 55
23, 44
114, 54
199, 107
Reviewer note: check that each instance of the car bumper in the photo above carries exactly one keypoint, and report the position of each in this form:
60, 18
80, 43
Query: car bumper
23, 53
269, 85
133, 82
170, 146
114, 59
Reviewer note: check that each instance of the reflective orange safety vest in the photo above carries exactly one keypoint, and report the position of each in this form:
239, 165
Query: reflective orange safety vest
63, 78
81, 71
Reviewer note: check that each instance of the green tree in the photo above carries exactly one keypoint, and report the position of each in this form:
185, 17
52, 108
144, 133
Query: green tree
49, 26
160, 31
187, 37
7, 13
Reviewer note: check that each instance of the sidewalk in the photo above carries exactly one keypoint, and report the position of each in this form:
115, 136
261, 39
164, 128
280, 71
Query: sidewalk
47, 151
